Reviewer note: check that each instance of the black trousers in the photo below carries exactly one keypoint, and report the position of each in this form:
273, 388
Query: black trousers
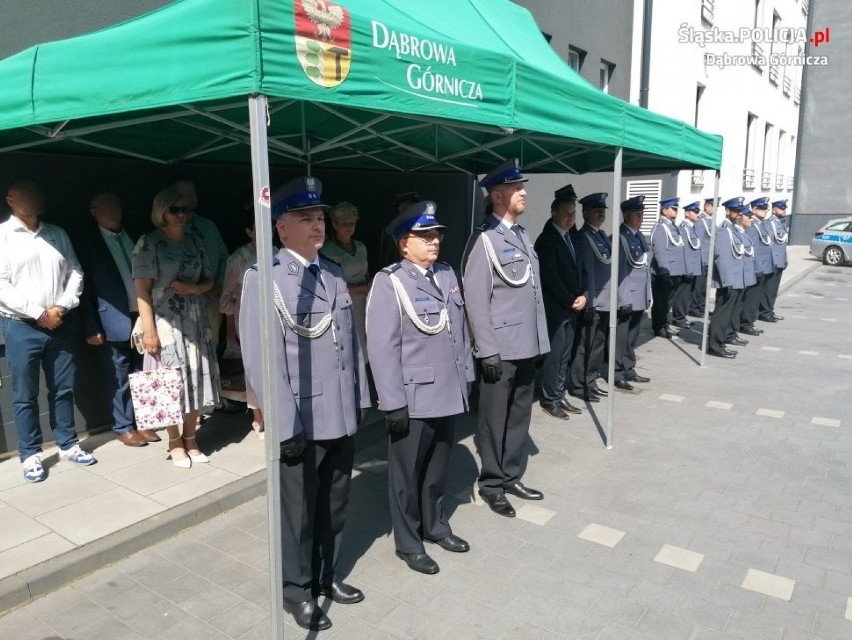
751, 302
626, 337
417, 478
314, 498
505, 408
556, 367
681, 296
118, 360
720, 324
665, 291
699, 292
736, 314
590, 353
773, 282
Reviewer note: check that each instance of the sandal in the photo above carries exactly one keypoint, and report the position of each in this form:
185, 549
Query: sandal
258, 430
181, 463
197, 456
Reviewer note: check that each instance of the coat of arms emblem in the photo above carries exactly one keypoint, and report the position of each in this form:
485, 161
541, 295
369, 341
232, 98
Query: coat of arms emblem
323, 41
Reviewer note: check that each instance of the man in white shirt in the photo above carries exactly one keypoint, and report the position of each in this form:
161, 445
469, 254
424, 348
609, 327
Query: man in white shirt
108, 308
40, 280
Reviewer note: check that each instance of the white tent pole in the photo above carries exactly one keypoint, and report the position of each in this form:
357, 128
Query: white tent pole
706, 329
270, 329
615, 214
473, 191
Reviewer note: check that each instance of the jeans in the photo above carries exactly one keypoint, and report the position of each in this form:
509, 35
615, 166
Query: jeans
28, 348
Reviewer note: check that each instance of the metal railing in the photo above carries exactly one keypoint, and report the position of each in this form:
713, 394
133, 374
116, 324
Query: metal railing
806, 4
797, 95
779, 182
697, 178
773, 74
708, 9
756, 56
788, 85
748, 178
766, 180
790, 182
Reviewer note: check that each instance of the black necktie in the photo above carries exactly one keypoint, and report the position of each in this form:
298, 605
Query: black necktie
517, 231
430, 276
570, 245
315, 270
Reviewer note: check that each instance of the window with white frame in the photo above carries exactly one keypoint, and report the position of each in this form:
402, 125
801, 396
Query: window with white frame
606, 71
576, 57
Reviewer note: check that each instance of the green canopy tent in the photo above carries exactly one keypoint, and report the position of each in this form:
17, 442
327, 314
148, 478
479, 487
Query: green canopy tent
360, 84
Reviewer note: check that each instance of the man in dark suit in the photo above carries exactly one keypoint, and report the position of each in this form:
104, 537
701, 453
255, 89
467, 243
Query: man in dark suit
564, 291
108, 306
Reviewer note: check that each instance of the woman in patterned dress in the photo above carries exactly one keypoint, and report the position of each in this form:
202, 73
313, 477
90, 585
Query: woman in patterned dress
171, 274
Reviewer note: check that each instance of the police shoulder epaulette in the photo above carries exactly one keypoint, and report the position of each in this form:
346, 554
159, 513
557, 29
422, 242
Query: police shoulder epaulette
275, 263
483, 226
391, 268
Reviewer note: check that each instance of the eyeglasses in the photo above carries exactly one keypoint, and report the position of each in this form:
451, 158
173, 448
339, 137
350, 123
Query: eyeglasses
428, 237
184, 210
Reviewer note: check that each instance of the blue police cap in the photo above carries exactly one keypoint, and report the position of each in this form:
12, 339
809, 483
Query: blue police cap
671, 202
507, 173
634, 204
781, 204
566, 193
296, 195
710, 201
417, 217
747, 210
594, 201
693, 206
734, 203
760, 203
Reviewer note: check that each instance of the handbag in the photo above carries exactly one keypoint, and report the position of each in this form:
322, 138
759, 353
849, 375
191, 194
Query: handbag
157, 397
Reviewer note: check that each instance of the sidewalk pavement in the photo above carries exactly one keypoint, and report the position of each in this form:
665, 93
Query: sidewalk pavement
83, 519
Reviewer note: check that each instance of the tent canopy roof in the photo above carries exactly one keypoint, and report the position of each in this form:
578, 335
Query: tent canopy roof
359, 84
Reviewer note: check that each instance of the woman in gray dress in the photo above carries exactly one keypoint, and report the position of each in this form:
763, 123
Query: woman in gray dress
171, 275
351, 255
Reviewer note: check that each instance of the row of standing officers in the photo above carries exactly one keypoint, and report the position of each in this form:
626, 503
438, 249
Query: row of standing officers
426, 343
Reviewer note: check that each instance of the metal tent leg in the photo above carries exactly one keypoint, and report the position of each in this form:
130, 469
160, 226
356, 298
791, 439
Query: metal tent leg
613, 296
706, 330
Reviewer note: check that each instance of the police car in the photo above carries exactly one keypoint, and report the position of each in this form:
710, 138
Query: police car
833, 243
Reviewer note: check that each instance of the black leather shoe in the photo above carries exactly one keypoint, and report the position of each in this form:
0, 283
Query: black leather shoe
721, 353
420, 562
568, 407
342, 593
682, 324
499, 504
586, 397
599, 392
768, 318
308, 615
737, 341
452, 543
554, 410
663, 333
637, 378
518, 489
749, 331
777, 317
623, 385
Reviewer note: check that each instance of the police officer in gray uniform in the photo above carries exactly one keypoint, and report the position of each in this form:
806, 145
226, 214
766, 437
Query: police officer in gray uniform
779, 260
323, 397
509, 330
749, 277
422, 364
761, 240
703, 229
634, 292
728, 278
595, 251
692, 255
668, 268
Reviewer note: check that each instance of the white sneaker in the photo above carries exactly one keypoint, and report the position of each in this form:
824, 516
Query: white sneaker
33, 471
76, 455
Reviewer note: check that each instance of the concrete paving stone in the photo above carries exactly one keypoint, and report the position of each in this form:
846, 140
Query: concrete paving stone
701, 611
187, 628
769, 528
700, 633
255, 590
737, 598
99, 515
789, 615
828, 560
618, 610
835, 627
717, 404
662, 626
18, 528
194, 487
112, 629
150, 476
671, 397
231, 540
800, 572
210, 602
825, 422
71, 621
654, 596
751, 627
770, 413
837, 582
182, 588
55, 602
612, 582
22, 625
848, 613
525, 630
769, 584
255, 554
32, 553
819, 600
157, 574
36, 499
679, 558
617, 632
601, 535
234, 574
105, 585
577, 625
408, 622
239, 620
767, 348
759, 508
535, 514
415, 591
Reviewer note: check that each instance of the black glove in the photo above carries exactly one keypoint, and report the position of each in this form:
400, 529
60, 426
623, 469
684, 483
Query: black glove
397, 421
492, 368
362, 416
293, 447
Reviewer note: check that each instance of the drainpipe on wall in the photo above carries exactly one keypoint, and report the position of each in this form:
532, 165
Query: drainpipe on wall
803, 99
647, 12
